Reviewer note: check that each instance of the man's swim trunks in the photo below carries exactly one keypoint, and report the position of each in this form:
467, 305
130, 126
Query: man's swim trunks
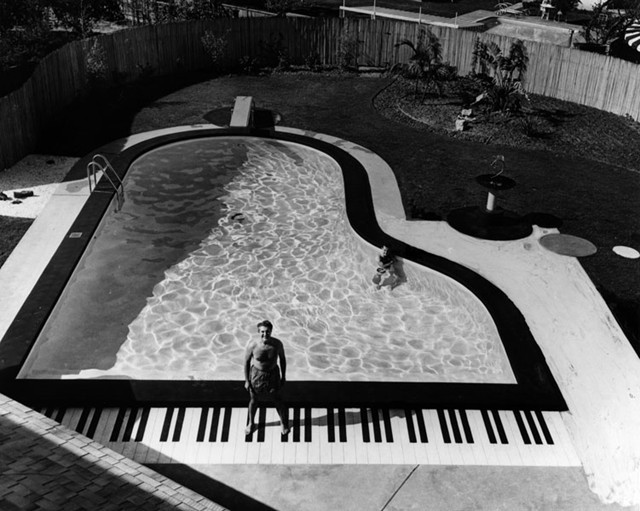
265, 382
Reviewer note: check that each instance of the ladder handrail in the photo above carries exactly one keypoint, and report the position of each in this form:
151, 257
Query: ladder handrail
96, 166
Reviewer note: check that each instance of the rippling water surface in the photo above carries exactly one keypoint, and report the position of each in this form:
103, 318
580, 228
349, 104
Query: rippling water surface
280, 248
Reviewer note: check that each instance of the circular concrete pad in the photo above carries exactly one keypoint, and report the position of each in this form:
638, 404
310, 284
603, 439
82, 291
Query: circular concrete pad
566, 244
628, 252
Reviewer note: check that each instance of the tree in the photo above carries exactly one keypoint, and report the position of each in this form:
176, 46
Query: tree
502, 75
425, 65
80, 16
282, 7
608, 23
22, 14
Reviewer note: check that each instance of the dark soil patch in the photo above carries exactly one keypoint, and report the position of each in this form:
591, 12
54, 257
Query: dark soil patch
12, 229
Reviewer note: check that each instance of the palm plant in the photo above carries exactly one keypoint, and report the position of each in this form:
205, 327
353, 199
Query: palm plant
503, 75
425, 65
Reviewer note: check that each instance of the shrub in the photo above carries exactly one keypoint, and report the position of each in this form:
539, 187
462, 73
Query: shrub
215, 45
425, 65
502, 75
249, 65
97, 68
312, 61
348, 49
274, 53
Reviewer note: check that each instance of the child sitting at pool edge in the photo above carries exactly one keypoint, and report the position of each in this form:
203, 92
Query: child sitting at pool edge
386, 264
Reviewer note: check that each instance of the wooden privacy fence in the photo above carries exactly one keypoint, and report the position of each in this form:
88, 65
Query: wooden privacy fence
62, 76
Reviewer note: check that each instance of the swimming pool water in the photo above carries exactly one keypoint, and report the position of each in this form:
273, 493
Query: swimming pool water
217, 234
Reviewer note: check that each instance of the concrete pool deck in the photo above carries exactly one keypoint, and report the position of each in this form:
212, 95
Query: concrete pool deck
592, 362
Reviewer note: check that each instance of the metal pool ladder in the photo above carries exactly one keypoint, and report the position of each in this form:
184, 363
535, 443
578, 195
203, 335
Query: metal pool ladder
99, 163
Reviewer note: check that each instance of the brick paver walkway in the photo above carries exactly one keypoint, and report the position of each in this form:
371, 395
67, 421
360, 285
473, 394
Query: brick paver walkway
44, 465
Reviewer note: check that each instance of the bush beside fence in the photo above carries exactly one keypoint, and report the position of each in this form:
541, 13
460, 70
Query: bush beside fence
586, 78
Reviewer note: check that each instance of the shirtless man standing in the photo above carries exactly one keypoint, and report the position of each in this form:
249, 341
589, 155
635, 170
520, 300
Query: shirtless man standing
262, 377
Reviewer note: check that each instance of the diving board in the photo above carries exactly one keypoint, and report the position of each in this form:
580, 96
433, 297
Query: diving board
242, 116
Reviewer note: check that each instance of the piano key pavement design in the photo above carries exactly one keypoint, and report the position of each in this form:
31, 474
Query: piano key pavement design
215, 435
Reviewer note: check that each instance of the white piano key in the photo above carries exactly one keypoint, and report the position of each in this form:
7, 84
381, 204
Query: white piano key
267, 428
71, 418
128, 448
402, 453
437, 451
362, 456
455, 450
532, 452
313, 449
337, 449
484, 453
419, 447
237, 436
201, 450
385, 447
562, 440
105, 426
148, 452
235, 427
302, 447
351, 425
181, 448
321, 435
140, 449
277, 444
165, 448
469, 450
373, 447
214, 444
513, 451
502, 451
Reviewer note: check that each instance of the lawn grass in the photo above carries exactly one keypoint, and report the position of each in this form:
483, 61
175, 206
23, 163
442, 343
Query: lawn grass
585, 179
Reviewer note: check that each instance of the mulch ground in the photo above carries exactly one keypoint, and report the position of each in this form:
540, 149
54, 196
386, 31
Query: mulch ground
575, 163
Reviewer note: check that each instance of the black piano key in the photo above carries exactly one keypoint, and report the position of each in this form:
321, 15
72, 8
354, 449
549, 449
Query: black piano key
488, 427
364, 421
285, 417
128, 427
457, 437
60, 415
523, 430
307, 424
177, 432
143, 424
166, 425
49, 411
117, 426
444, 429
545, 429
501, 432
410, 429
82, 421
226, 423
375, 422
215, 420
533, 428
465, 426
296, 424
388, 433
331, 433
422, 428
202, 424
262, 423
95, 420
342, 425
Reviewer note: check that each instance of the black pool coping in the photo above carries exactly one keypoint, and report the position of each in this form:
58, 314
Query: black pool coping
536, 388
